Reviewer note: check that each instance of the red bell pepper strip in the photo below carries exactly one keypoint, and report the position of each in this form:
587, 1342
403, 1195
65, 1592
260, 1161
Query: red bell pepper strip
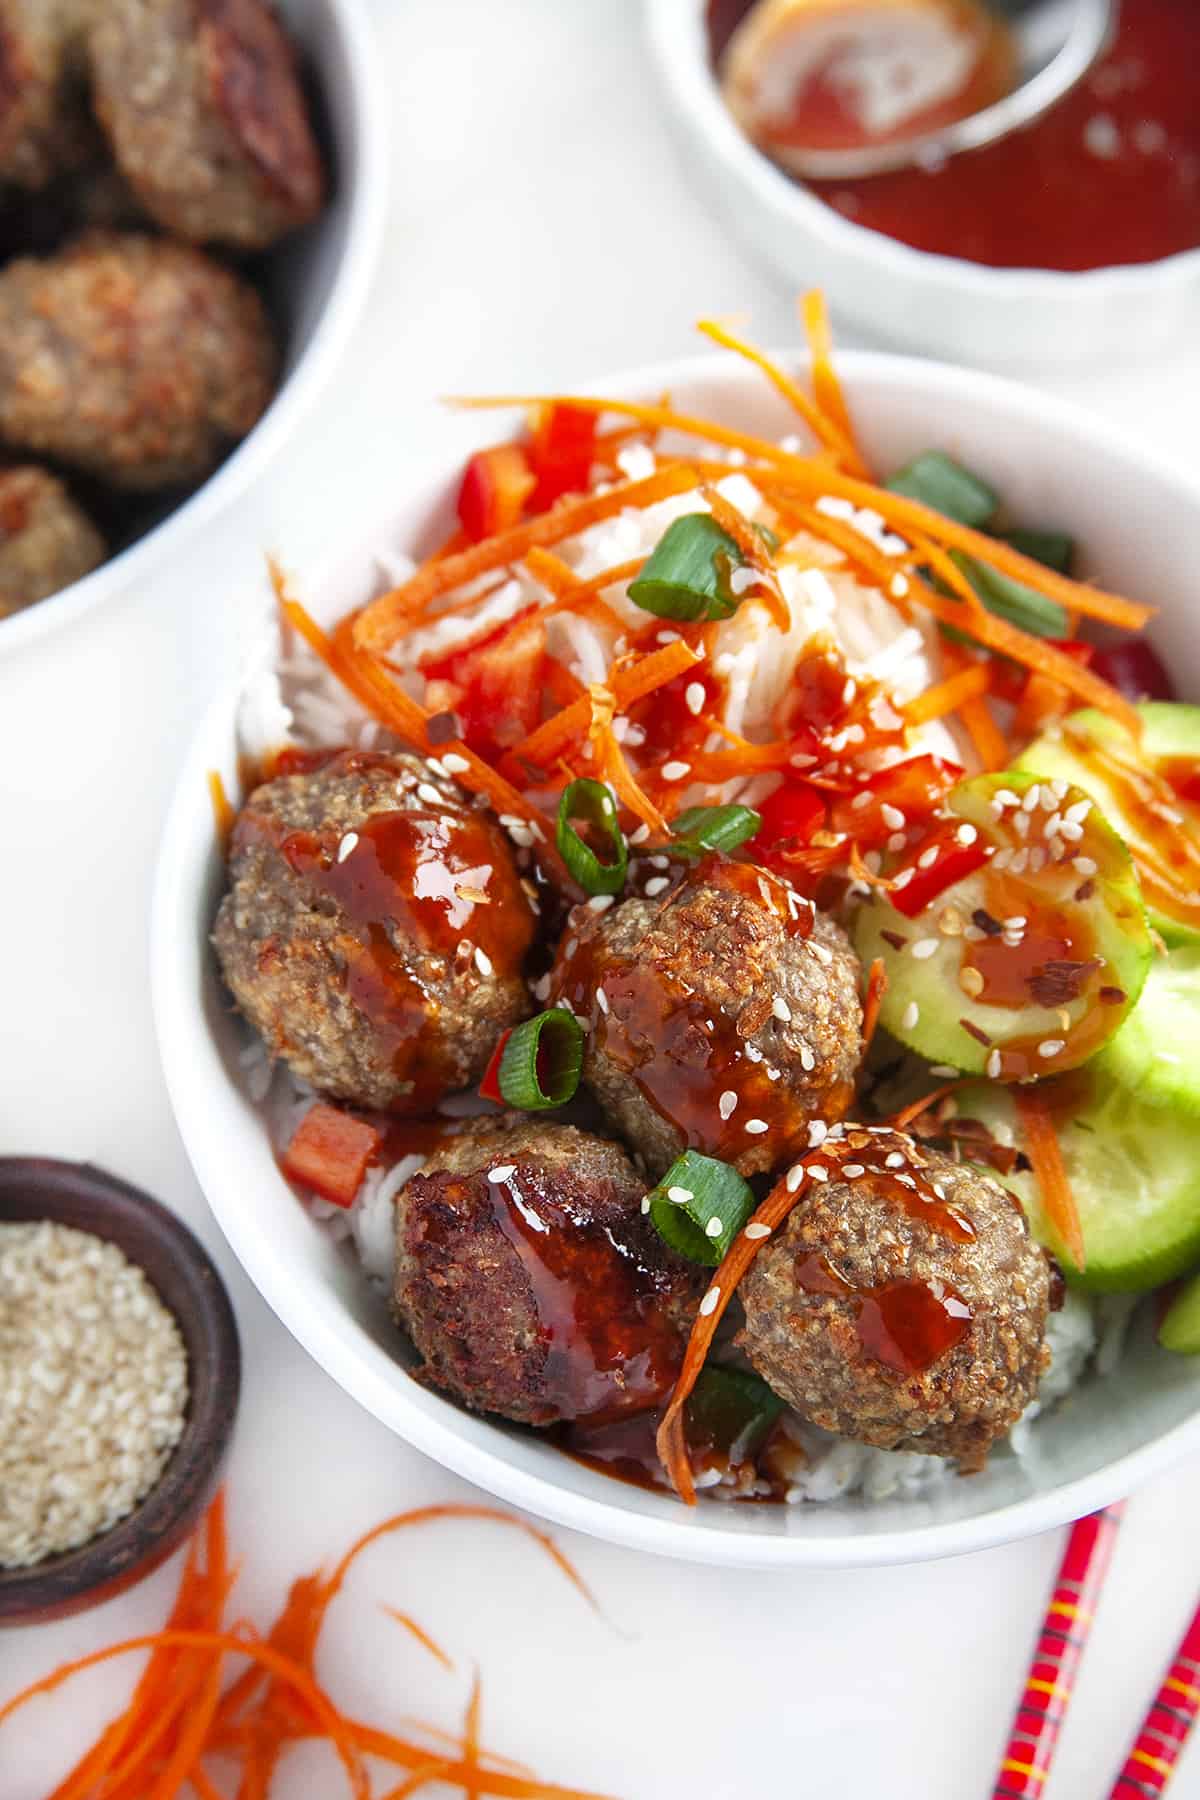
912, 788
330, 1152
564, 445
954, 862
790, 815
489, 1087
495, 486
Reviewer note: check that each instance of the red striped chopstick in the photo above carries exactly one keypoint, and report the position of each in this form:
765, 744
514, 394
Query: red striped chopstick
1164, 1731
1056, 1658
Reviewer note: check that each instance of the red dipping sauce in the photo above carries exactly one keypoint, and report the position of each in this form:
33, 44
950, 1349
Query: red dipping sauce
1110, 175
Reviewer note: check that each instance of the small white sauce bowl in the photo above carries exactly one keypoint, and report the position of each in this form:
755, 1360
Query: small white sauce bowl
1139, 524
939, 305
317, 283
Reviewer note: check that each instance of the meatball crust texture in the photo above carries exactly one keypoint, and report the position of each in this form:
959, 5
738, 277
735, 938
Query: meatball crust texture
137, 360
374, 929
714, 1020
833, 1322
44, 123
530, 1280
46, 541
202, 104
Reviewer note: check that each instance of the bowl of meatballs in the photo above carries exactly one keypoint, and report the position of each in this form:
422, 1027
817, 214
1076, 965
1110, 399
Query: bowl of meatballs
190, 203
526, 1044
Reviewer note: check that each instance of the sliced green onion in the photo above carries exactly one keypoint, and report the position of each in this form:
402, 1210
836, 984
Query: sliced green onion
541, 1061
699, 1207
770, 538
1053, 548
938, 481
1012, 600
731, 1412
703, 828
592, 802
686, 575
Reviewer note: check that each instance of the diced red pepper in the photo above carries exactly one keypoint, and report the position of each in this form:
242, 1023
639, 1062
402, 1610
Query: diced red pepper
954, 862
789, 817
495, 486
489, 1087
495, 687
1136, 670
564, 445
330, 1153
912, 788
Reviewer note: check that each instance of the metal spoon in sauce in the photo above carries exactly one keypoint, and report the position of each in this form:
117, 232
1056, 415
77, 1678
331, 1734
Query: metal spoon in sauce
844, 88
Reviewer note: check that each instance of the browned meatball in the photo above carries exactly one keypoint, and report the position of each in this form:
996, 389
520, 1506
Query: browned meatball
904, 1302
532, 1283
374, 928
136, 360
44, 124
202, 103
723, 1014
46, 541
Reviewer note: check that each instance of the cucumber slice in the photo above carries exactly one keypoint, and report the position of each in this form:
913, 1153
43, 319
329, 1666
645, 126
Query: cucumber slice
966, 991
1156, 1053
1171, 735
1180, 1329
1135, 1177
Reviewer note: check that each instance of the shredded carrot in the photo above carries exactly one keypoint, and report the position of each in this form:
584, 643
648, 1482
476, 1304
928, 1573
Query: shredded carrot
364, 679
629, 684
612, 765
975, 714
620, 572
877, 982
822, 426
943, 565
223, 813
422, 1636
671, 1440
901, 1120
380, 623
968, 683
826, 385
1044, 1152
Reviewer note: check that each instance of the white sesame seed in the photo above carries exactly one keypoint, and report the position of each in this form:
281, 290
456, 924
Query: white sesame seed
601, 902
909, 1016
781, 1009
455, 764
749, 1050
347, 846
727, 1104
1021, 823
818, 1171
1076, 813
756, 1127
994, 1065
680, 1195
639, 834
675, 771
714, 1227
1073, 833
541, 987
808, 1061
898, 586
1016, 922
1031, 798
429, 794
895, 1159
795, 1176
694, 697
1051, 1047
756, 1231
483, 961
645, 1203
818, 1131
892, 817
602, 1000
1020, 862
966, 834
906, 1181
501, 1172
1002, 859
922, 948
928, 857
820, 952
849, 691
710, 1302
853, 1170
943, 1071
861, 800
897, 841
1084, 865
656, 884
902, 879
1004, 797
659, 862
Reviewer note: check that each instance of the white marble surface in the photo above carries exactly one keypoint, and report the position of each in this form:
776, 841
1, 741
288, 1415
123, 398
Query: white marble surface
542, 230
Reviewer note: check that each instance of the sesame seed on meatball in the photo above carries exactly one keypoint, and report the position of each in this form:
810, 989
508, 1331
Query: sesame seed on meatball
46, 540
723, 1014
374, 928
136, 360
903, 1303
531, 1281
202, 104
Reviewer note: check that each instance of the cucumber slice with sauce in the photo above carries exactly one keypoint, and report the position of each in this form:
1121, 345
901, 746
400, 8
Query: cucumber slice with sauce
1135, 1176
1097, 754
1156, 1053
1028, 964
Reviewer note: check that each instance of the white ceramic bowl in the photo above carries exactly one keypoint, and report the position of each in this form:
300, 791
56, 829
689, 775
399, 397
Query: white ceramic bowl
1140, 524
940, 305
317, 280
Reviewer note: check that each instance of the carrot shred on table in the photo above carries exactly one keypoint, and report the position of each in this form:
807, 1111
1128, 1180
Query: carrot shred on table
640, 676
378, 625
422, 1636
1045, 1153
968, 683
826, 386
877, 982
825, 429
671, 1440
